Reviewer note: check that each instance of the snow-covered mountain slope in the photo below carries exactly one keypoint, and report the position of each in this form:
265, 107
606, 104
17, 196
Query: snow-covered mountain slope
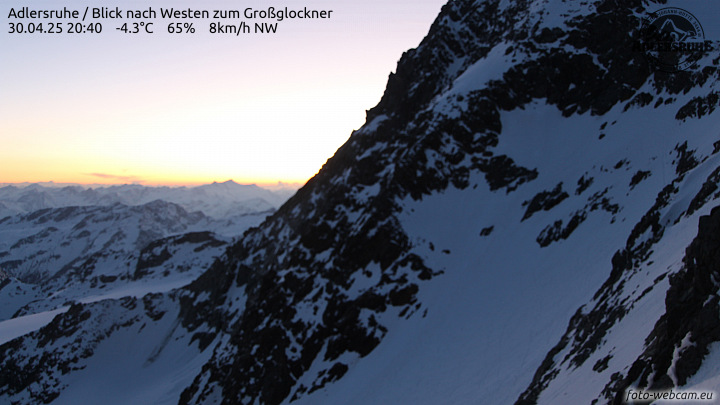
108, 364
163, 265
218, 200
50, 243
14, 295
54, 257
524, 218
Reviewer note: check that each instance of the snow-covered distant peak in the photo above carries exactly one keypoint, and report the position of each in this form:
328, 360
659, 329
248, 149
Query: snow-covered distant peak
218, 200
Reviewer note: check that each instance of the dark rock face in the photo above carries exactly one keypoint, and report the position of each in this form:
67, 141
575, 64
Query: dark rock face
556, 231
638, 177
589, 326
23, 371
699, 107
692, 307
708, 191
583, 184
298, 268
158, 251
487, 231
69, 242
545, 200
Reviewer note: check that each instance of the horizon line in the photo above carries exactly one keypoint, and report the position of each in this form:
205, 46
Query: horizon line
293, 184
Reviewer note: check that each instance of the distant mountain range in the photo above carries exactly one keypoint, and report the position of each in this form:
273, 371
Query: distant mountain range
72, 243
56, 256
218, 200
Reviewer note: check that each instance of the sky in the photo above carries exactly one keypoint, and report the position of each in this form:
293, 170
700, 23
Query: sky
183, 109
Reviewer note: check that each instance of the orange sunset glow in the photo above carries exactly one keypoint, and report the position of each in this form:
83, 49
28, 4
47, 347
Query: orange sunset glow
163, 109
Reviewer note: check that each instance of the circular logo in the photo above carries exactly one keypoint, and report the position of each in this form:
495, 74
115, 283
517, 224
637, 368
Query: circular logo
673, 39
